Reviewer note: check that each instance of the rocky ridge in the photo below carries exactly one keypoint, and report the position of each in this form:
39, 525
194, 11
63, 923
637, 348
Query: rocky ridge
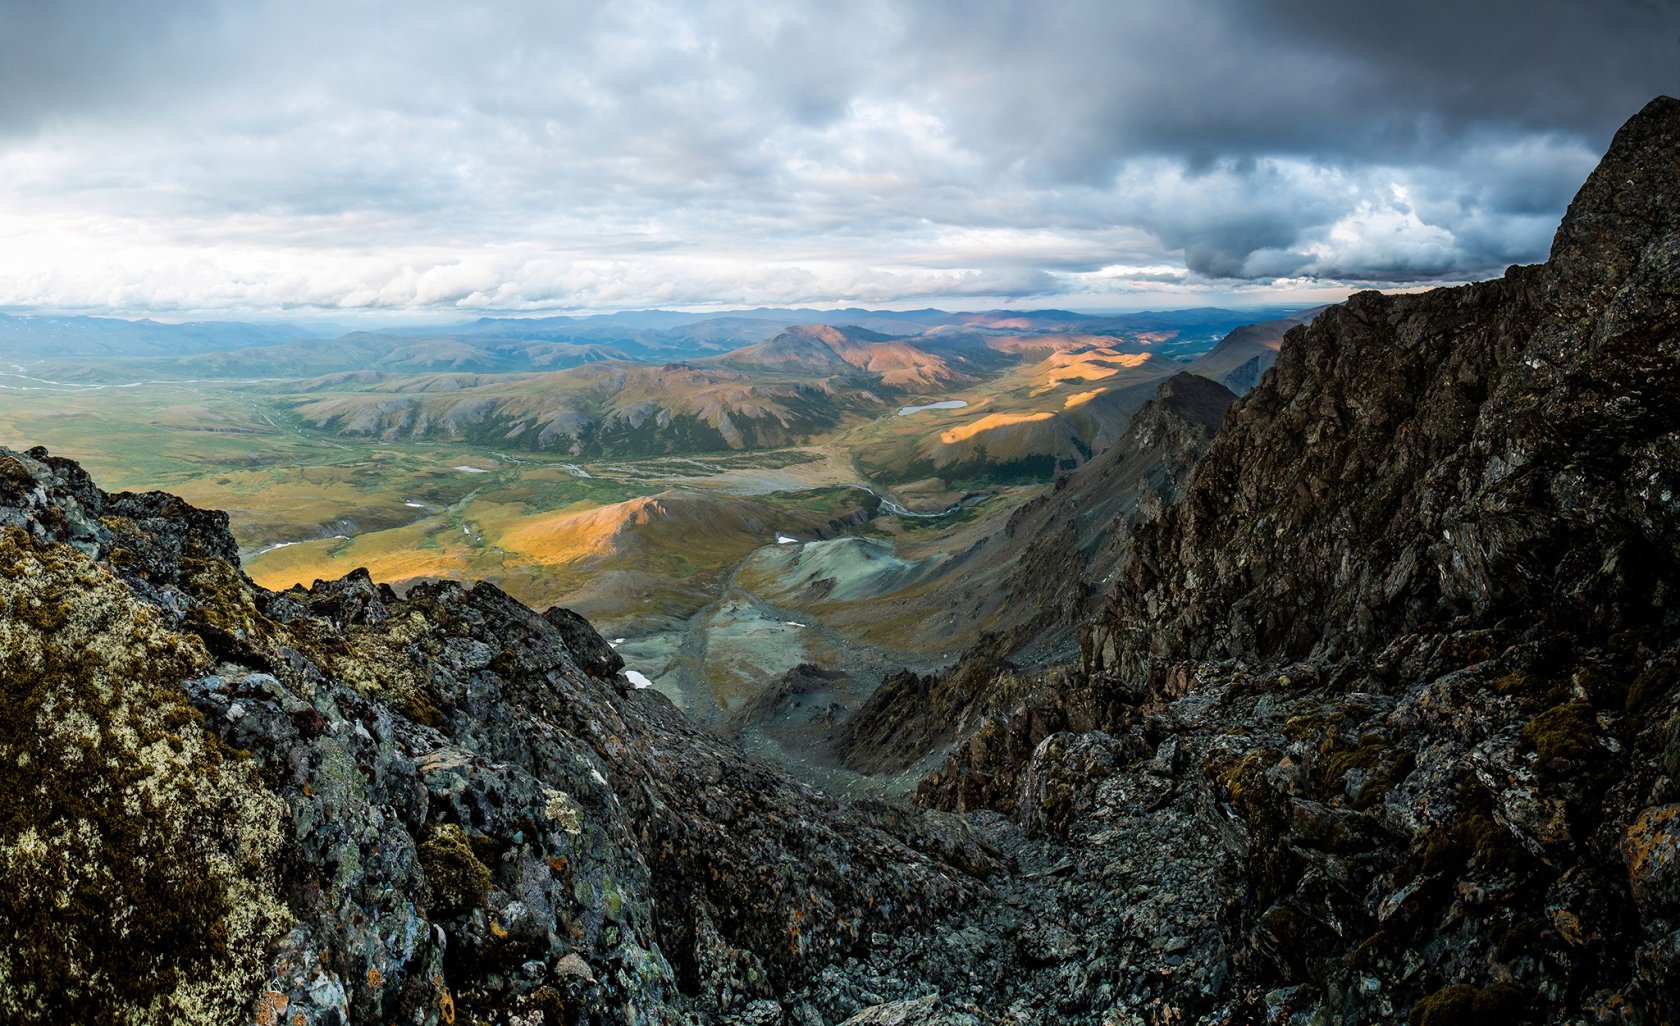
337, 805
1411, 627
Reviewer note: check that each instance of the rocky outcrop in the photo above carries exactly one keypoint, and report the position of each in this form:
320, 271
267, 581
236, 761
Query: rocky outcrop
337, 805
1500, 449
1411, 629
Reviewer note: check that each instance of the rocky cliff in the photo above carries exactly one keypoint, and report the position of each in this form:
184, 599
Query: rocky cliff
335, 805
1409, 638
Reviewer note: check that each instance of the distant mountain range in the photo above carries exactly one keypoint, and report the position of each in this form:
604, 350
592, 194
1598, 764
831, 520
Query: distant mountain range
36, 337
1028, 393
496, 345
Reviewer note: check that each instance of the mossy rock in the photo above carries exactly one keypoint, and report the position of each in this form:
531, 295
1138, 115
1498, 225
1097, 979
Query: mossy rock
1476, 841
1566, 732
1382, 761
1651, 685
1462, 1004
1517, 682
455, 879
140, 856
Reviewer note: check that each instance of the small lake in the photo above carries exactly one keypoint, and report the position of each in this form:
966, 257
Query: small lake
949, 404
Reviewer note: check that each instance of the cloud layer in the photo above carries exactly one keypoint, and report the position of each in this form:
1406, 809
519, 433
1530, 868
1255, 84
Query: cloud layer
191, 156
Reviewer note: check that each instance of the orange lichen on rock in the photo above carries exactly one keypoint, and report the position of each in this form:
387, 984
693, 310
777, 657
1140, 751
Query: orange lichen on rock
1651, 848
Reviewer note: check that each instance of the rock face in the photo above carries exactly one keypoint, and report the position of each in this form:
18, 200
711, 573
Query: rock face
1412, 628
336, 805
1500, 449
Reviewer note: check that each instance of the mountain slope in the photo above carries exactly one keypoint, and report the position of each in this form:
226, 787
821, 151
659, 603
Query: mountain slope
1241, 357
336, 805
1408, 639
1023, 593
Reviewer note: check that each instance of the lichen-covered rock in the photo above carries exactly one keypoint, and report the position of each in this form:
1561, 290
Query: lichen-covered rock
335, 805
141, 854
1652, 848
923, 1011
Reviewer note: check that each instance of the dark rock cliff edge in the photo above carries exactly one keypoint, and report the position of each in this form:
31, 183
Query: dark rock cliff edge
1413, 630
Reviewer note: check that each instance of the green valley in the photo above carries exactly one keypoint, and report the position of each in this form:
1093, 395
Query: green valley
731, 497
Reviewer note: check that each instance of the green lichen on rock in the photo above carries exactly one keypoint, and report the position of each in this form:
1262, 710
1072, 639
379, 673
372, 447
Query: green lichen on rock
1564, 732
455, 879
1476, 841
1517, 682
1650, 685
1462, 1004
139, 857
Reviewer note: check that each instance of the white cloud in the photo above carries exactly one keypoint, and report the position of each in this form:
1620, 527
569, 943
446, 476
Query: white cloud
538, 155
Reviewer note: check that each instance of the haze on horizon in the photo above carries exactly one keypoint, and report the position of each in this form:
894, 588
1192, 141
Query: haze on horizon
196, 157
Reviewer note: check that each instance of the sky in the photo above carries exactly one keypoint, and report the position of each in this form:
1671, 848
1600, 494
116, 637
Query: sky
176, 158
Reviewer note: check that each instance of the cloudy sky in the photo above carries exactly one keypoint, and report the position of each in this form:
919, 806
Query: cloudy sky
189, 157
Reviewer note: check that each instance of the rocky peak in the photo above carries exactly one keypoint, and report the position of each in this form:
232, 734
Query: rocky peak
1506, 448
1184, 402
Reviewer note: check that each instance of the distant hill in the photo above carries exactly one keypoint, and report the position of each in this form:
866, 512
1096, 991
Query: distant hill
59, 338
1241, 357
613, 408
823, 349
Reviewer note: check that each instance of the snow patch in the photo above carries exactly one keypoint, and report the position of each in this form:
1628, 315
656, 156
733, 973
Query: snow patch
638, 679
948, 404
782, 539
415, 505
470, 470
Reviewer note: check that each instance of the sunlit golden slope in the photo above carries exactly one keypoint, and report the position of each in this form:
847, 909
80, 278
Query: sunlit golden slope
660, 555
989, 422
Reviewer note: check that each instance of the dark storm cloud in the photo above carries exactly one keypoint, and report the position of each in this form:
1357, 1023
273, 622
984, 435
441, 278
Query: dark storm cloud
1330, 79
67, 57
190, 154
